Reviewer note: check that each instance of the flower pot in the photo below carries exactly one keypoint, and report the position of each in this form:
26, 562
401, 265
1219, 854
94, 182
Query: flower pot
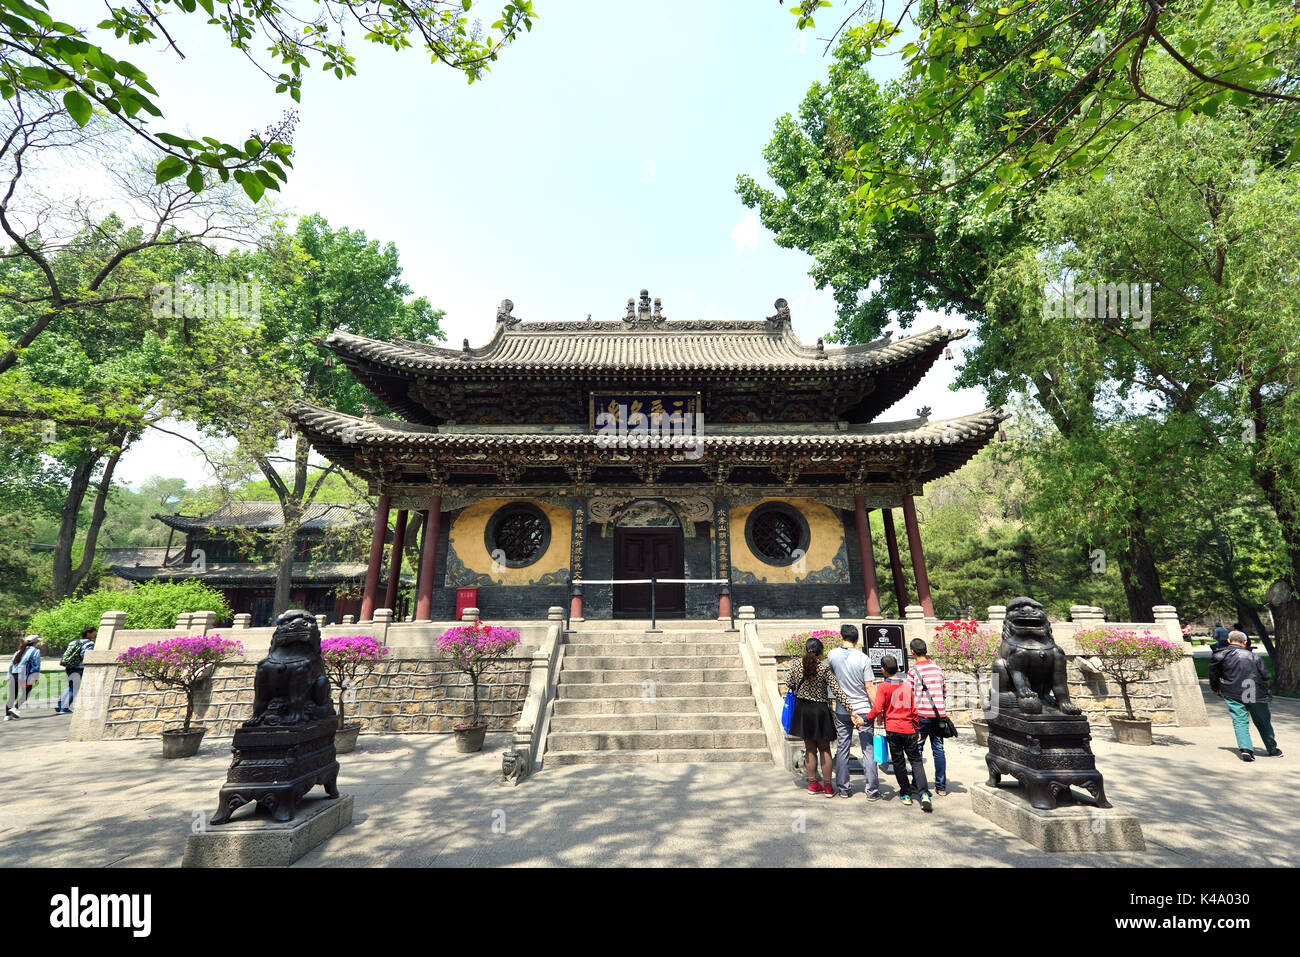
182, 744
345, 738
981, 733
1131, 730
469, 737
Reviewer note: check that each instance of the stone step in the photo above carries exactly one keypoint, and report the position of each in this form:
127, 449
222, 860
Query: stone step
605, 648
649, 662
660, 704
661, 689
625, 637
658, 676
663, 721
652, 740
660, 756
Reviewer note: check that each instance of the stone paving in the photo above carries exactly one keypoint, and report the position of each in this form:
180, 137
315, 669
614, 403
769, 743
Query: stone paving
419, 803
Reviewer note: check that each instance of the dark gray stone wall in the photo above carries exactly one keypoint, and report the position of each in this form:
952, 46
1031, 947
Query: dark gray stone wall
805, 601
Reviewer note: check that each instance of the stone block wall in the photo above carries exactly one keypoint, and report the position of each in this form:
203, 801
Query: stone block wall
406, 694
1098, 696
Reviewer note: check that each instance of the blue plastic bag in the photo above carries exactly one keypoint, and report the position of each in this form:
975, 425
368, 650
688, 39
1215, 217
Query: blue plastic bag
880, 749
787, 713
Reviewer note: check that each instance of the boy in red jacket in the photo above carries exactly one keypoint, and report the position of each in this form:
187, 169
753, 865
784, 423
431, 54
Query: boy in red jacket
894, 702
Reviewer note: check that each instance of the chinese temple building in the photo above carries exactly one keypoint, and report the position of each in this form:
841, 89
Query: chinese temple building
726, 460
234, 549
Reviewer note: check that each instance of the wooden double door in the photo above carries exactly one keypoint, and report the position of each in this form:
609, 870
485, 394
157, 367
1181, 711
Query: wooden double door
649, 553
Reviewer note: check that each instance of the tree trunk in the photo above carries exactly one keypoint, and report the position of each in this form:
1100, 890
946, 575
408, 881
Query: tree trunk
1286, 635
78, 485
1137, 567
97, 515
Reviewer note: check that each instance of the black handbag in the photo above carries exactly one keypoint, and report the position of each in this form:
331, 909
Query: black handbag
946, 728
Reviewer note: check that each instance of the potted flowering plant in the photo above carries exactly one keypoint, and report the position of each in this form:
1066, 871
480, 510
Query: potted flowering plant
1128, 656
180, 663
965, 647
474, 648
347, 663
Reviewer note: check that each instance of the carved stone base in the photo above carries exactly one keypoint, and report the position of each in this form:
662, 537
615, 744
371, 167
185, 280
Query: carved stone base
258, 841
1047, 753
1065, 829
277, 766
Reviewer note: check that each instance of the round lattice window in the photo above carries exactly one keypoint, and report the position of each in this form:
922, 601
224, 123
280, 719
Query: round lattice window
777, 534
517, 535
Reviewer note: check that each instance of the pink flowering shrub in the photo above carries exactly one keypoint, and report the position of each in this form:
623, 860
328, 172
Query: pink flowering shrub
183, 663
349, 660
474, 648
965, 647
1127, 655
794, 645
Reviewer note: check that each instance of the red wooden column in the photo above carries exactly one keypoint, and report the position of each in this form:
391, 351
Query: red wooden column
895, 563
918, 557
868, 559
395, 566
373, 569
428, 557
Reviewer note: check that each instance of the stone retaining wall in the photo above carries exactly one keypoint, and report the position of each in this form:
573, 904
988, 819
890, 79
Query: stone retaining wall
405, 694
1098, 696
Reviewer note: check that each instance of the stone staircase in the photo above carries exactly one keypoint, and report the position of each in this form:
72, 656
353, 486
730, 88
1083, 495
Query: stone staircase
627, 697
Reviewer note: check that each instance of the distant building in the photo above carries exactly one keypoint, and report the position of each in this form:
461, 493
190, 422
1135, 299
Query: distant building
234, 550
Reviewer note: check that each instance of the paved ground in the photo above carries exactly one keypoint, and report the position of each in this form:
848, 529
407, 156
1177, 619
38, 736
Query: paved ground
418, 803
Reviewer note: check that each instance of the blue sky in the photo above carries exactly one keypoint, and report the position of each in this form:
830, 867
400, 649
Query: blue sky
598, 157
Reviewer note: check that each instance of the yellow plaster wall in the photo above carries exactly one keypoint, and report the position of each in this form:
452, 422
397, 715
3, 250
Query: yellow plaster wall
825, 539
466, 538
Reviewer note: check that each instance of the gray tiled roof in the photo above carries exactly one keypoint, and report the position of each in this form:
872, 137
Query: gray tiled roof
269, 515
390, 433
249, 573
687, 346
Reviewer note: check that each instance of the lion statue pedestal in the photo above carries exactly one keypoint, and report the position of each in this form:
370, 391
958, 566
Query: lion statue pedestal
1038, 736
287, 747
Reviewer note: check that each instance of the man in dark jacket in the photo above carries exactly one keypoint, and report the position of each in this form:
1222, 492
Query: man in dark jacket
1240, 679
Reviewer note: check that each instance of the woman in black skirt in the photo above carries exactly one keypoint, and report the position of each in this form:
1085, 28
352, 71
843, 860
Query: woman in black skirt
811, 677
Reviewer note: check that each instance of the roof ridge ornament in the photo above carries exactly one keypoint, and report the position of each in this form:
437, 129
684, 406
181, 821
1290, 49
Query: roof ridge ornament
782, 317
503, 314
642, 314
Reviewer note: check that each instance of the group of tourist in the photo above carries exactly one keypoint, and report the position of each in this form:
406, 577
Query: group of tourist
910, 707
25, 668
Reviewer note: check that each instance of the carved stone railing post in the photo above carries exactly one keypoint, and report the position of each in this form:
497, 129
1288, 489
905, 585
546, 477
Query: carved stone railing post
1184, 685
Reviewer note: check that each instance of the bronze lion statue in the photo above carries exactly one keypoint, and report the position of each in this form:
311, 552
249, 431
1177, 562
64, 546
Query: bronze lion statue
290, 686
1030, 664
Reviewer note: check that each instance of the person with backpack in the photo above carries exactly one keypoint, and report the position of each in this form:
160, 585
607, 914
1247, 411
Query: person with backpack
24, 669
895, 704
929, 691
74, 661
1239, 677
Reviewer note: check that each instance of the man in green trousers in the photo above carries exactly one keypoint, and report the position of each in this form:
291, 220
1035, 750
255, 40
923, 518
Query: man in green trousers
1239, 677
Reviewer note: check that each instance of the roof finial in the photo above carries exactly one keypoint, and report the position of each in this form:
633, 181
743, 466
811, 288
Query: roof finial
503, 313
643, 307
464, 349
782, 316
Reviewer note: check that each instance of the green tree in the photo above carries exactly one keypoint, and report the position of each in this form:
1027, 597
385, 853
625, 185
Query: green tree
1048, 87
24, 578
317, 279
48, 63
